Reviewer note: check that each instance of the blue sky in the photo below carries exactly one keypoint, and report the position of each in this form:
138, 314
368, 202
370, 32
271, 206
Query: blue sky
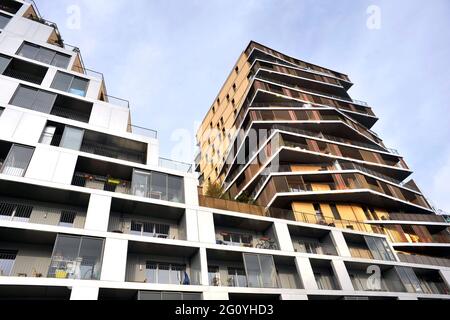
170, 58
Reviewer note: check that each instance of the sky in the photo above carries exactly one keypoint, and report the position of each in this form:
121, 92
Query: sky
170, 58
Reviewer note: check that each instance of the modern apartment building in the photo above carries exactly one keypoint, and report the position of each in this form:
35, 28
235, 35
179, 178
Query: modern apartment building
285, 136
89, 210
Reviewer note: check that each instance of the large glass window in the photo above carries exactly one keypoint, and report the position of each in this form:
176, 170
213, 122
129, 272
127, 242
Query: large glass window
17, 161
7, 259
158, 185
379, 248
34, 99
237, 277
76, 258
260, 270
148, 229
4, 62
166, 273
44, 55
157, 295
176, 189
4, 19
72, 138
409, 279
69, 83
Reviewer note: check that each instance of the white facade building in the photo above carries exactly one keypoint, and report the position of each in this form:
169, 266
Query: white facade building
88, 210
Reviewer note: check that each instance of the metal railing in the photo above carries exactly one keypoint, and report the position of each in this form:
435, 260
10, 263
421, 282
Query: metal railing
175, 165
41, 213
117, 101
88, 72
361, 103
101, 183
143, 131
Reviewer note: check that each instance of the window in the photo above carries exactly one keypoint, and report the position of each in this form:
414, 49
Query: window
379, 248
228, 97
155, 230
4, 19
260, 270
234, 86
67, 219
4, 62
236, 239
214, 276
44, 55
69, 83
318, 210
214, 109
237, 277
335, 212
72, 138
17, 161
236, 69
166, 273
233, 102
7, 259
76, 258
34, 99
15, 212
157, 295
157, 185
1, 111
409, 279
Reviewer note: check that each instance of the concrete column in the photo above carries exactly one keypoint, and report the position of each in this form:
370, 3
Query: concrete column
114, 260
206, 228
215, 295
283, 236
190, 225
98, 213
340, 243
204, 267
290, 296
190, 190
84, 293
341, 274
306, 272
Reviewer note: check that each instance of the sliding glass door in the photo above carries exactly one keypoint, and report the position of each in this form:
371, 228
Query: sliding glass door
17, 161
261, 271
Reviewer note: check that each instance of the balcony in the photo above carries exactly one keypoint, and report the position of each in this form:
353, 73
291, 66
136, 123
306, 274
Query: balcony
422, 259
234, 269
51, 103
149, 133
93, 142
324, 275
22, 70
46, 255
111, 177
10, 6
175, 165
368, 247
280, 191
26, 211
147, 220
14, 158
362, 278
312, 241
230, 205
162, 264
242, 232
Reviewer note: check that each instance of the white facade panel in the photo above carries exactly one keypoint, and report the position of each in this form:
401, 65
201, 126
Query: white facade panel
114, 260
29, 128
98, 213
